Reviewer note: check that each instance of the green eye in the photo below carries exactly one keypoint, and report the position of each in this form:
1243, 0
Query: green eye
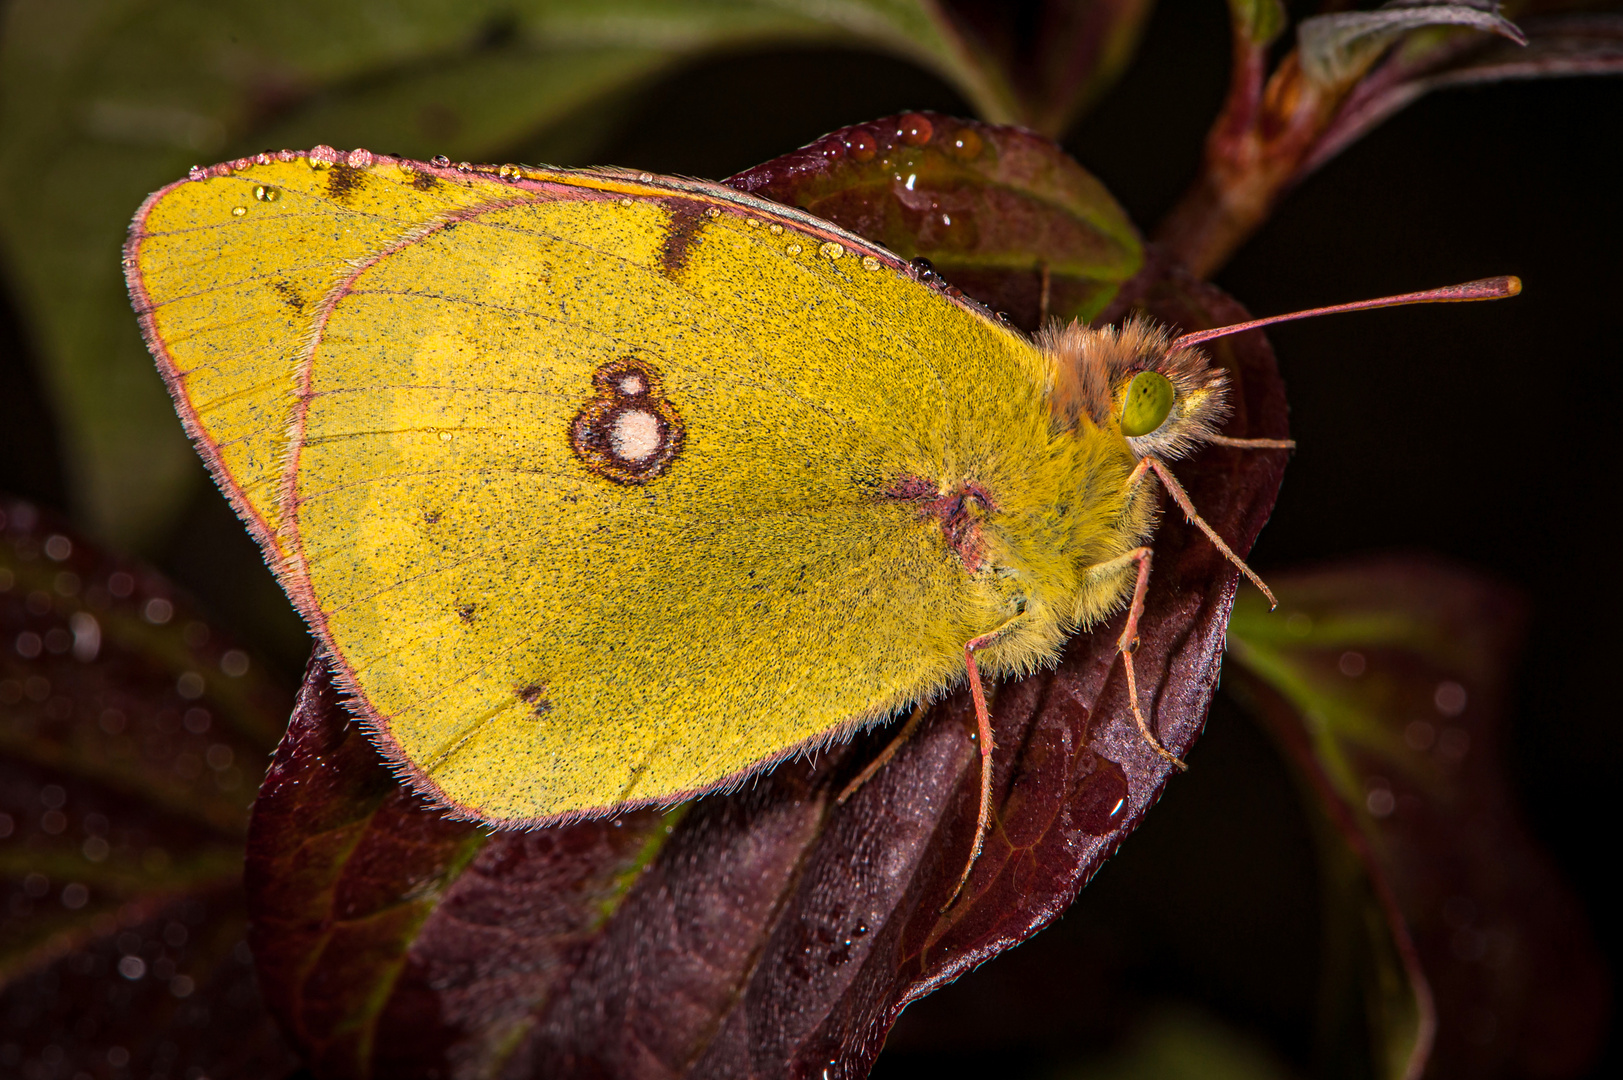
1149, 399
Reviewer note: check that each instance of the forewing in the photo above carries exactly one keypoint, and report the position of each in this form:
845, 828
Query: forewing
228, 272
534, 636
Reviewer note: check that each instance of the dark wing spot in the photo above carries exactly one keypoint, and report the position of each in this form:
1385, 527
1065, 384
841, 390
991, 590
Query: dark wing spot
535, 696
465, 612
344, 182
431, 517
425, 182
687, 219
289, 294
592, 434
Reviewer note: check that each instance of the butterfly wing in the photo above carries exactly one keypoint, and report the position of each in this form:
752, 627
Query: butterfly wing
587, 481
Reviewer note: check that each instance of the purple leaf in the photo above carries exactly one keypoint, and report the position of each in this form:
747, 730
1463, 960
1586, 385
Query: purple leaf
767, 933
1006, 215
134, 737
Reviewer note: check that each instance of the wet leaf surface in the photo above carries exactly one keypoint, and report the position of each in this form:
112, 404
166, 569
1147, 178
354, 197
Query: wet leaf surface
768, 933
132, 739
1005, 215
1388, 682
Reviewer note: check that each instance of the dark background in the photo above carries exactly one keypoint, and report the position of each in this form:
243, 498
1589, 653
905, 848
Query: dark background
1484, 433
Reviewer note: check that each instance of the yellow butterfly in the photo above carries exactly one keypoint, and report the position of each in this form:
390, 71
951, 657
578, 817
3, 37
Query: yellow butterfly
604, 489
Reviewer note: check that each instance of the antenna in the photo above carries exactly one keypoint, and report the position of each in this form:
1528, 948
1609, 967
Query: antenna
1495, 288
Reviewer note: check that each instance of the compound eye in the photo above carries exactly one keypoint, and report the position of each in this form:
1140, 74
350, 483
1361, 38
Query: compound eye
1149, 400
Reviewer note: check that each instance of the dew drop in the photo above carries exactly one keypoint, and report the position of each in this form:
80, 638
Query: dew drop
713, 213
625, 202
1100, 801
196, 172
775, 229
861, 145
440, 161
266, 194
914, 130
870, 263
511, 173
359, 159
794, 249
967, 145
646, 177
238, 211
832, 250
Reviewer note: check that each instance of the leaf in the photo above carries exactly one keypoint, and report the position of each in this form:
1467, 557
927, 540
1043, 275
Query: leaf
1387, 681
133, 737
1557, 46
995, 209
1058, 56
103, 101
1337, 49
767, 933
1324, 94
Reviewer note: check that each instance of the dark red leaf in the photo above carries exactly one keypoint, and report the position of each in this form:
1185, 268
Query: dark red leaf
133, 739
998, 210
1351, 71
1557, 46
768, 933
1388, 682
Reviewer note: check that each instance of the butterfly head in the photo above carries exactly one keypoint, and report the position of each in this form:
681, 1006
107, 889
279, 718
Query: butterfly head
1164, 399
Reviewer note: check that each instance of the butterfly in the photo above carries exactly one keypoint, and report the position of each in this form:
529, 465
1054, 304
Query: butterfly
603, 489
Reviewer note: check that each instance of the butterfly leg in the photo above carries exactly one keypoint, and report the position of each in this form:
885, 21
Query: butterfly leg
983, 723
885, 755
1127, 644
1181, 497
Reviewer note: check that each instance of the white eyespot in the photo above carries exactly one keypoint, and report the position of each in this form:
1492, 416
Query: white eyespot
635, 436
633, 384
